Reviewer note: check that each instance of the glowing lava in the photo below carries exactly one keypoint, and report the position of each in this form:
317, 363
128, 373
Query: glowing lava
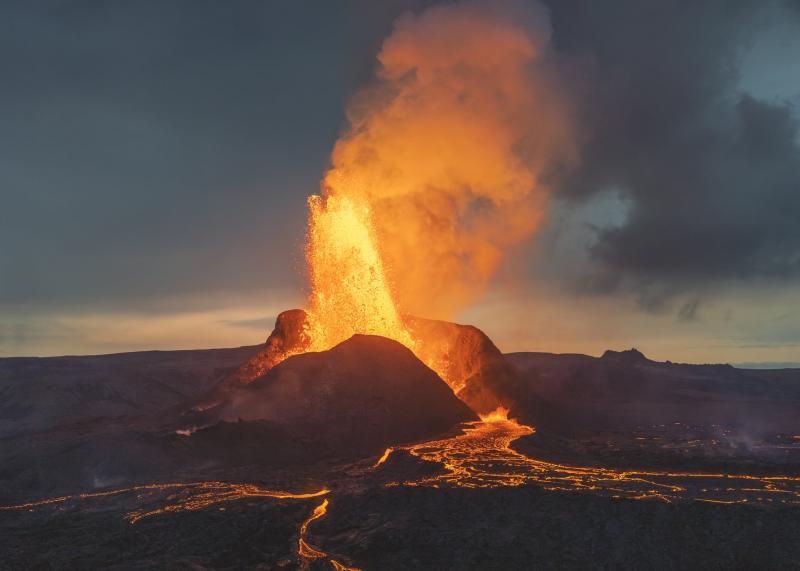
383, 458
349, 290
482, 457
191, 496
306, 552
441, 170
205, 494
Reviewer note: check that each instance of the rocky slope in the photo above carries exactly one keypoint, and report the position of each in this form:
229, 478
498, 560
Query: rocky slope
474, 366
365, 394
84, 423
469, 362
628, 389
40, 393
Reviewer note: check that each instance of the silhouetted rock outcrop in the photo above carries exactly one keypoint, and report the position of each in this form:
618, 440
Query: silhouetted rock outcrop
289, 336
629, 356
364, 394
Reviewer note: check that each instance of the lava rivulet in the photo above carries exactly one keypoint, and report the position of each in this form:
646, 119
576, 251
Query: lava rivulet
306, 552
191, 496
205, 494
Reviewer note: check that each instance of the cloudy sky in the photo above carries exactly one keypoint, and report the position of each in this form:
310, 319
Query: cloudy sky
155, 160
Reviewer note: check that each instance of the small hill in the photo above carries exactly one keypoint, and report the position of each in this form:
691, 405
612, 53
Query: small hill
362, 395
625, 388
469, 362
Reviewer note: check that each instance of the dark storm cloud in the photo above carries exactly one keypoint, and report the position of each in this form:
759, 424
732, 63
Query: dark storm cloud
711, 175
153, 148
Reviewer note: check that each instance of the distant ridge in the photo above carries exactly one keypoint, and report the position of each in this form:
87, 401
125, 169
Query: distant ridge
768, 365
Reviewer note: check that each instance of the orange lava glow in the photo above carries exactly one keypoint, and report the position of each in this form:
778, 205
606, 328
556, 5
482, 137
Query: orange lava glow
438, 174
498, 415
205, 494
306, 552
191, 496
349, 290
194, 496
318, 512
450, 146
384, 457
482, 457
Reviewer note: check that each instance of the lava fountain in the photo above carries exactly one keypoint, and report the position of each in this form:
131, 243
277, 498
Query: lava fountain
349, 290
441, 171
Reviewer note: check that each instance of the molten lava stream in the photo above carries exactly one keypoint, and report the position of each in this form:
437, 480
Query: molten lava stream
306, 552
191, 496
383, 458
482, 457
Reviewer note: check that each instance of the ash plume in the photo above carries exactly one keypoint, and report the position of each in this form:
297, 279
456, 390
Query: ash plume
451, 146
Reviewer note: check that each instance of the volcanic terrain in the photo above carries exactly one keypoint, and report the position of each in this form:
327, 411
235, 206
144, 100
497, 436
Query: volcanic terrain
363, 457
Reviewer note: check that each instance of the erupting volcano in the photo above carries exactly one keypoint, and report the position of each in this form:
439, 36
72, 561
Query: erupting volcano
370, 431
441, 170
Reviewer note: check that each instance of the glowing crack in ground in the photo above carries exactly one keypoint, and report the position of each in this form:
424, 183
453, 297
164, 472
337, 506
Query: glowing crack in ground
482, 457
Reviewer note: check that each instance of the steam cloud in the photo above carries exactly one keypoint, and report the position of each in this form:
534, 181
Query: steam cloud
452, 145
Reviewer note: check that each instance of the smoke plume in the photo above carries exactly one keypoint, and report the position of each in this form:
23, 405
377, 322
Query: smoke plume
452, 145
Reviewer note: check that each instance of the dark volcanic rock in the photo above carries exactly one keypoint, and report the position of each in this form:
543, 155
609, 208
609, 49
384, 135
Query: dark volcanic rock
625, 389
119, 419
628, 356
361, 396
473, 363
473, 366
528, 528
237, 535
289, 336
302, 418
88, 422
39, 393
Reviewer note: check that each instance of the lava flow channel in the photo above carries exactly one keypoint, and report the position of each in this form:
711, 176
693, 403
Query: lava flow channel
190, 496
482, 457
305, 552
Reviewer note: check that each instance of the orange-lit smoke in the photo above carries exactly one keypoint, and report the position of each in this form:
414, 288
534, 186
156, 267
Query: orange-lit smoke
442, 168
